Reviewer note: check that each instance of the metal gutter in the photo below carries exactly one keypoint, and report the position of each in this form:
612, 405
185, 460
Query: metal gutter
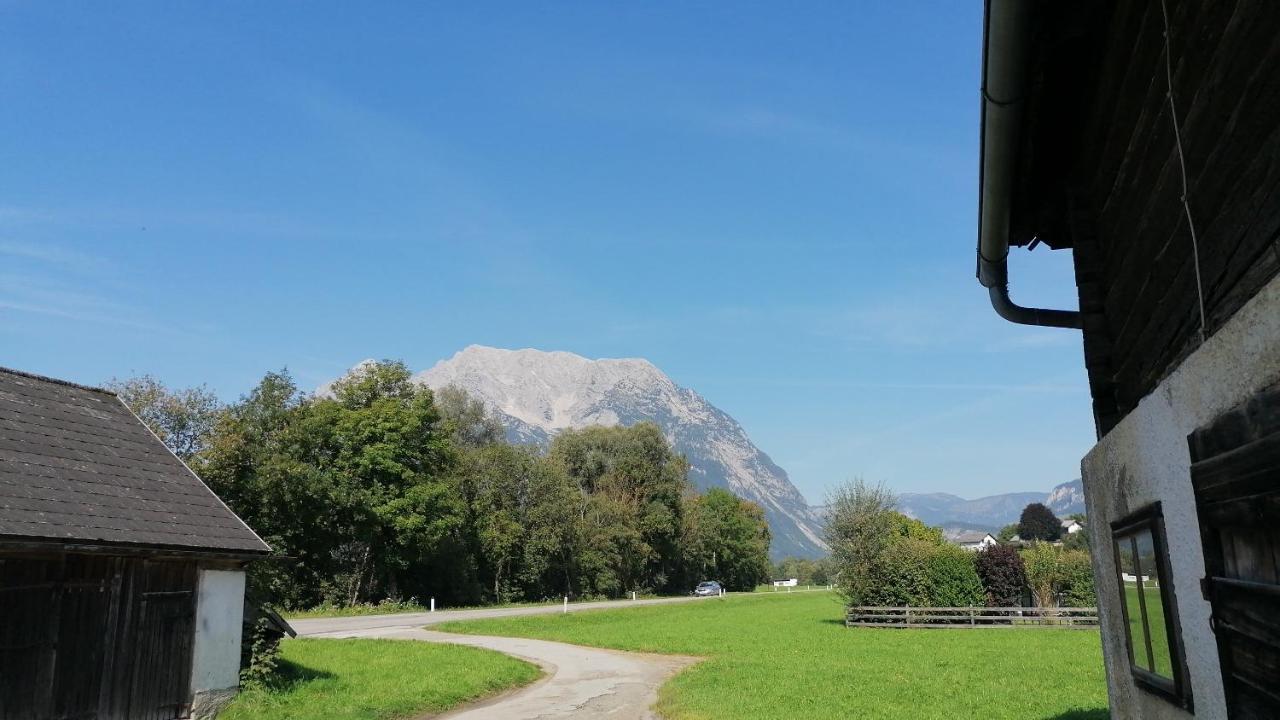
1006, 51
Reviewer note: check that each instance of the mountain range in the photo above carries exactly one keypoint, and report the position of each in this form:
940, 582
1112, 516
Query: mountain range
954, 513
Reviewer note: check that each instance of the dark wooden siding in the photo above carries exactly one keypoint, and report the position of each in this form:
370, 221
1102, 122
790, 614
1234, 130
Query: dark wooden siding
95, 638
1227, 90
1236, 477
1103, 176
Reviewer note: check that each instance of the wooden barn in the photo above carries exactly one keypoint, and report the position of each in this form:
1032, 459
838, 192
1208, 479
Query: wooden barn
1144, 138
121, 573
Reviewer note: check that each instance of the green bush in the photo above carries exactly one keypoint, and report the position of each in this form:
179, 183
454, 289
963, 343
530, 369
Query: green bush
259, 653
1053, 572
884, 558
1077, 579
1043, 564
922, 573
950, 578
1078, 540
901, 577
1003, 576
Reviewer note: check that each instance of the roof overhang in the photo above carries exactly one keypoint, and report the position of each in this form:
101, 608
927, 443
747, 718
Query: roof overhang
1008, 65
10, 543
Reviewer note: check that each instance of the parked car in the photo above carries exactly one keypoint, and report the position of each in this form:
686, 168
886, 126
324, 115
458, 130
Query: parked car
706, 589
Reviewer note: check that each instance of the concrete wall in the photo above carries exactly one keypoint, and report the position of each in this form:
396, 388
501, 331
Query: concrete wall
215, 667
1144, 459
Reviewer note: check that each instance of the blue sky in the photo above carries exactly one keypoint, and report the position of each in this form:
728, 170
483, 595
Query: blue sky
775, 205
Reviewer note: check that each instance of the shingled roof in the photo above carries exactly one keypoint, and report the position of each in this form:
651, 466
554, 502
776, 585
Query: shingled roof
77, 466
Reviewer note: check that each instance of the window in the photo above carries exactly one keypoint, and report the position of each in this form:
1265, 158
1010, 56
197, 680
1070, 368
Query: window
1151, 621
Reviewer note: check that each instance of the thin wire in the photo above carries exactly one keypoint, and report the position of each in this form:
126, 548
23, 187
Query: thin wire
1182, 164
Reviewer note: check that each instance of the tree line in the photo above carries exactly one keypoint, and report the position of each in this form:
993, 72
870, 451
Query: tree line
382, 489
881, 557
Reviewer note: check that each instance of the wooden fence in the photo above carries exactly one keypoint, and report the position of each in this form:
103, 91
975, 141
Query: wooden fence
972, 617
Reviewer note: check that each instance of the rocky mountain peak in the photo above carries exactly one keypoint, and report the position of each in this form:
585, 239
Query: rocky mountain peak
537, 394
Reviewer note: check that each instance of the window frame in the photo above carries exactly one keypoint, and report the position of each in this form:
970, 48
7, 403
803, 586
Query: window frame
1177, 689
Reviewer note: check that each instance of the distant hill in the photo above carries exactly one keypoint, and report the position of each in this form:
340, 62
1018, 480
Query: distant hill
990, 513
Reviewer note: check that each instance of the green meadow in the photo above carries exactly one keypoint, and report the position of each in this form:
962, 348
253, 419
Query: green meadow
377, 680
789, 655
1156, 623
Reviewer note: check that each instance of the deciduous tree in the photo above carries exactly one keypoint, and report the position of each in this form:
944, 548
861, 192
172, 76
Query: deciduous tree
1039, 523
727, 539
1002, 573
632, 486
182, 418
860, 529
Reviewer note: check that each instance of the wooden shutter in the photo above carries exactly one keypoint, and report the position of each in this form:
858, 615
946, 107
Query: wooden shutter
1235, 472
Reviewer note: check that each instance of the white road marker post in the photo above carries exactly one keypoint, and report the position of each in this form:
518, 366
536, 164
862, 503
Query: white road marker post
566, 604
433, 604
633, 596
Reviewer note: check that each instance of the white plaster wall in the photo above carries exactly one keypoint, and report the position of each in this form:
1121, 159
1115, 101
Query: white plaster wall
219, 610
1144, 459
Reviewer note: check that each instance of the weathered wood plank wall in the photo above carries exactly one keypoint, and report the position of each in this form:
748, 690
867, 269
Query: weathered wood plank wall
1128, 181
95, 638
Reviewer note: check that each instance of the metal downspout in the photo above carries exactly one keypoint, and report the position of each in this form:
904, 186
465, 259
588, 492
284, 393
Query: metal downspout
1005, 56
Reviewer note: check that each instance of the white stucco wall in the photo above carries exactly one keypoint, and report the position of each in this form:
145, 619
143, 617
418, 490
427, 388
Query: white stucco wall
219, 610
1144, 459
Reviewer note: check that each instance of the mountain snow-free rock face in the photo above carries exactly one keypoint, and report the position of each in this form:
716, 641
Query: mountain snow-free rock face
537, 394
1067, 498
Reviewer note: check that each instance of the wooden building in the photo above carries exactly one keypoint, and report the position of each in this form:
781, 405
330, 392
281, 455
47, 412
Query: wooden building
1144, 137
121, 573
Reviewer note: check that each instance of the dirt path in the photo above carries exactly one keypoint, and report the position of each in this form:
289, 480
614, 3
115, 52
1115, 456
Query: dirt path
580, 682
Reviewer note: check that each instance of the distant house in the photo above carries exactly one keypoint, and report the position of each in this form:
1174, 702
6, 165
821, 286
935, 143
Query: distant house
1071, 527
974, 541
121, 573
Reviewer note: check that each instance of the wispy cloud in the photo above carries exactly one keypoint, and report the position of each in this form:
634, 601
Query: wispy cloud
65, 258
56, 282
768, 123
226, 220
15, 215
84, 316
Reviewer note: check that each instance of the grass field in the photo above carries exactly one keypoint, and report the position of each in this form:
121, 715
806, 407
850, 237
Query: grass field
779, 655
1156, 622
377, 680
